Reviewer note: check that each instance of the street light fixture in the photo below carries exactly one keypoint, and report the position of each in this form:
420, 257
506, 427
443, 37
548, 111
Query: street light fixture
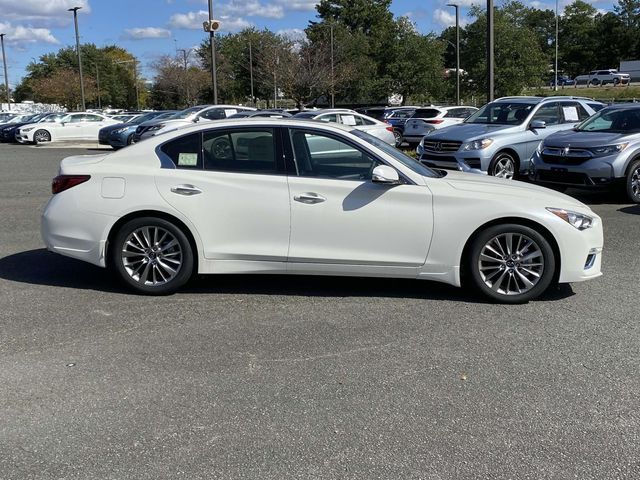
457, 7
75, 21
6, 75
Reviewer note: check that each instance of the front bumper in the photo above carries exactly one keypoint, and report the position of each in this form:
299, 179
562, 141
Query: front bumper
580, 252
593, 174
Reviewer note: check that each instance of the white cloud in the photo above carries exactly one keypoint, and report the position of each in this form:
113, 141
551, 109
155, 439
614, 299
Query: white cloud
293, 34
299, 5
251, 8
194, 20
444, 18
44, 12
20, 35
146, 32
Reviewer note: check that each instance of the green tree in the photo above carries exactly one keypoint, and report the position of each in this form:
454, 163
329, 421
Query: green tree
579, 40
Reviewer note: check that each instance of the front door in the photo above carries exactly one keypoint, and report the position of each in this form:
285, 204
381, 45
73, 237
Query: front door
340, 217
233, 188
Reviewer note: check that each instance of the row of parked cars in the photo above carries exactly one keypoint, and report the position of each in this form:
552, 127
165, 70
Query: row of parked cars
595, 78
559, 142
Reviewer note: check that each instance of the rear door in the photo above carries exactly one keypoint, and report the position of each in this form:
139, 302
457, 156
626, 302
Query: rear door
92, 124
232, 185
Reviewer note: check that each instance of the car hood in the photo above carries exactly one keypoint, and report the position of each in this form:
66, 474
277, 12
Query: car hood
497, 186
465, 132
110, 128
571, 138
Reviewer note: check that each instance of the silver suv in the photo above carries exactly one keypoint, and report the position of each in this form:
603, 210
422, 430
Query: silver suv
602, 151
501, 137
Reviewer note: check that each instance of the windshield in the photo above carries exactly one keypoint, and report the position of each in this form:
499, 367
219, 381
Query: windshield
185, 113
305, 115
625, 120
502, 113
398, 155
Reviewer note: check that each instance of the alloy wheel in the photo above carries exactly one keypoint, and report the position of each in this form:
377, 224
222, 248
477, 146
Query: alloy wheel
511, 264
504, 167
152, 256
41, 136
635, 182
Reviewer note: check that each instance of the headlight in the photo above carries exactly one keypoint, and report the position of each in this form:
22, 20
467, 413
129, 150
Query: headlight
578, 220
609, 149
25, 130
478, 144
119, 131
540, 147
155, 127
420, 149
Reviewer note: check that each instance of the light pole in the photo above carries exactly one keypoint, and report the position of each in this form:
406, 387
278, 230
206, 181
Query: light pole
135, 78
75, 20
333, 78
185, 55
6, 75
98, 85
490, 48
457, 7
212, 37
253, 98
556, 69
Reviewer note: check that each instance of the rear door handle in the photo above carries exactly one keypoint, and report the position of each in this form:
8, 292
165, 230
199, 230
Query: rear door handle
186, 190
309, 198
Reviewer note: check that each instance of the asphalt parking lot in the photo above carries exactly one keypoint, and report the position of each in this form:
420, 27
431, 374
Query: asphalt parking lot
273, 377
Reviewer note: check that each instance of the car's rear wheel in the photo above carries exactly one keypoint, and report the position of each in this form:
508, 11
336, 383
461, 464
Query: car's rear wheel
504, 165
511, 263
152, 256
633, 181
595, 82
41, 136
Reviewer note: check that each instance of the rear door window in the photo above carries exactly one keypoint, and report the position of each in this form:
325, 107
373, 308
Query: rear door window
426, 113
185, 152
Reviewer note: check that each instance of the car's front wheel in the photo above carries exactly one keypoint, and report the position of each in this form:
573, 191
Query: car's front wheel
503, 165
398, 138
152, 256
511, 263
633, 182
41, 136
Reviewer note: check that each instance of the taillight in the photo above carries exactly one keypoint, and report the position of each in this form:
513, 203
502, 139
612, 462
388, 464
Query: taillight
434, 122
390, 128
65, 182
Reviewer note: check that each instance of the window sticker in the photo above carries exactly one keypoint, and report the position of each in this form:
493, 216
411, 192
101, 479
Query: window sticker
570, 114
349, 120
187, 159
230, 111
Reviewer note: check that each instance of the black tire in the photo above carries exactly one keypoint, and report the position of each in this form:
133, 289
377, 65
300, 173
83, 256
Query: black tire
595, 82
41, 136
398, 137
499, 160
484, 276
130, 139
616, 81
633, 181
160, 268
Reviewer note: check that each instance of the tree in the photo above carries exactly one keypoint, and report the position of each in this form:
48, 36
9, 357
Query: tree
176, 85
55, 89
580, 42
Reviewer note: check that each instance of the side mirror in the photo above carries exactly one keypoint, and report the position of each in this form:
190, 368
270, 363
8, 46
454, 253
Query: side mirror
537, 124
386, 175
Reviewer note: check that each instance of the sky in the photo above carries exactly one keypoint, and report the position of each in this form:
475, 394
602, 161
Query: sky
152, 28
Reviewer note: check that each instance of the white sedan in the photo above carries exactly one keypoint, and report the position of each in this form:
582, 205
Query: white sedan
75, 126
350, 118
297, 197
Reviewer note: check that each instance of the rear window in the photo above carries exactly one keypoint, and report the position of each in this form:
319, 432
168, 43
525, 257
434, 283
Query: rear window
426, 113
596, 106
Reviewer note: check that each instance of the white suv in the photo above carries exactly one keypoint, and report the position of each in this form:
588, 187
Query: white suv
602, 77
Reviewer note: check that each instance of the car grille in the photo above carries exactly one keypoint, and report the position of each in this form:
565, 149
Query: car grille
438, 158
565, 156
441, 146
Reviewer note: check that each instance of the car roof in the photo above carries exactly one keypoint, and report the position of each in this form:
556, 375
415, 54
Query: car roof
620, 106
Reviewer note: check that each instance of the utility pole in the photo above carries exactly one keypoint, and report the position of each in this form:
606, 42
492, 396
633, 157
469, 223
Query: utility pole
490, 49
253, 97
275, 84
6, 75
98, 84
556, 68
212, 37
333, 77
457, 7
75, 20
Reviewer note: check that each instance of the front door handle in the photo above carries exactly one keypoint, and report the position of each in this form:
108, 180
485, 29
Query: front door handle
309, 198
187, 190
